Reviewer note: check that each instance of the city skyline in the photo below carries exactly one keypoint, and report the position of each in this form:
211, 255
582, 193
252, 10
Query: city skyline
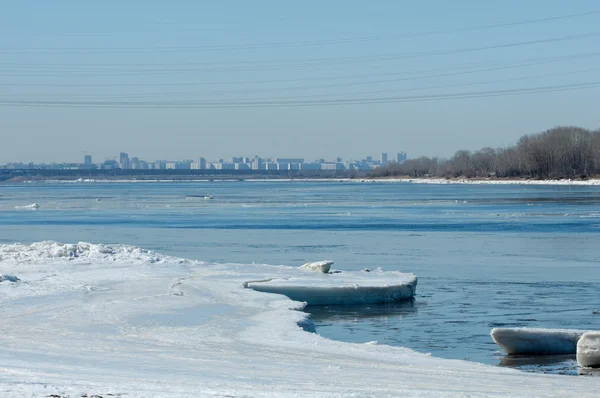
293, 79
123, 161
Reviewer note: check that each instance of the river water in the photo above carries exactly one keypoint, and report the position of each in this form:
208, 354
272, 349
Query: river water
486, 255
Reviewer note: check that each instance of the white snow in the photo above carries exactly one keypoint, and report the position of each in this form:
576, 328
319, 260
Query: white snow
537, 341
33, 206
588, 350
122, 320
444, 181
339, 288
318, 266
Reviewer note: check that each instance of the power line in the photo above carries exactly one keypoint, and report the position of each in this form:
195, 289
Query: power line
343, 60
462, 70
262, 104
57, 50
370, 92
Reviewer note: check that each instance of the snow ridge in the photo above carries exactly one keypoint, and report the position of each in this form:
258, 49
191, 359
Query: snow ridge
51, 251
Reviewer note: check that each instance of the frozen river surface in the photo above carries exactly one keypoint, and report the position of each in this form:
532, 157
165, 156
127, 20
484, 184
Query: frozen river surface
486, 256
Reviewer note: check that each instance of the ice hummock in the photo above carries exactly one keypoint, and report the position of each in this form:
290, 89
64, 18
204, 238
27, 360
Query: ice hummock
537, 341
318, 266
341, 288
83, 251
588, 350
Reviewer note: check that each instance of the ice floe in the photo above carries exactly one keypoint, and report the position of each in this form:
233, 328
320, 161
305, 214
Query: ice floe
33, 206
588, 350
537, 341
341, 288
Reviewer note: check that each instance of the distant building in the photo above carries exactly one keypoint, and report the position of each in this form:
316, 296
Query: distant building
332, 166
124, 160
110, 164
384, 158
288, 160
310, 166
87, 160
369, 159
257, 163
400, 157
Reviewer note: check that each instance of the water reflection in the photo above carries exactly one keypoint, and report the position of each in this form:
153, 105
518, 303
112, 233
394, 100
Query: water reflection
336, 314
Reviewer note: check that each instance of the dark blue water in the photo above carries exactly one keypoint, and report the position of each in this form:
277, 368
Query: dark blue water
486, 256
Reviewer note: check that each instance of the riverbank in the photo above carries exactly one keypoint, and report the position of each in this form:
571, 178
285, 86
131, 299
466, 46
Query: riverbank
402, 180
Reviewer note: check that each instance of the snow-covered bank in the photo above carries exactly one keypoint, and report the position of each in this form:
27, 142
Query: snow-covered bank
404, 180
536, 341
122, 320
469, 181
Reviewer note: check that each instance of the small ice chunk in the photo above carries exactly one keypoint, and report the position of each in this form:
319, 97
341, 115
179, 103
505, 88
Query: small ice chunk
533, 341
588, 350
9, 278
318, 266
33, 206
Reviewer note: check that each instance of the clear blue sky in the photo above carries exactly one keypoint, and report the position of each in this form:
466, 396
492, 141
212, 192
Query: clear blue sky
102, 60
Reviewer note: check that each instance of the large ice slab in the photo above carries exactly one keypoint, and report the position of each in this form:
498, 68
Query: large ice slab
537, 341
341, 288
588, 350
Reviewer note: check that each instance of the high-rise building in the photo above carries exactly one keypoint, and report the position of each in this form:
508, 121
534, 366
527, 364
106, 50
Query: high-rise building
369, 159
124, 160
87, 160
384, 158
400, 157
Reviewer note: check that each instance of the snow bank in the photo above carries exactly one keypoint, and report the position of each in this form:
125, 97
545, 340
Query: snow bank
588, 350
341, 288
318, 266
532, 341
443, 181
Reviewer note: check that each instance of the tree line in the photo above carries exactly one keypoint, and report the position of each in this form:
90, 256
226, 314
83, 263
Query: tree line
561, 152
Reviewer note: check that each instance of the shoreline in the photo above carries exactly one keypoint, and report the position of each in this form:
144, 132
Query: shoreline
399, 180
246, 343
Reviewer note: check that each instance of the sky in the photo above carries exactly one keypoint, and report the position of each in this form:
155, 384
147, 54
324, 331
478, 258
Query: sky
312, 79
